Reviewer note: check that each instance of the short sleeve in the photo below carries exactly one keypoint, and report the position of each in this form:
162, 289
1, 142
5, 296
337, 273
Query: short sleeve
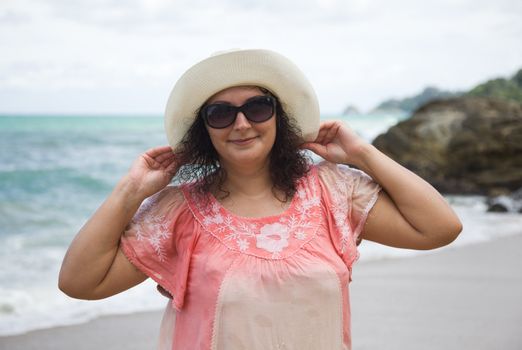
159, 241
348, 195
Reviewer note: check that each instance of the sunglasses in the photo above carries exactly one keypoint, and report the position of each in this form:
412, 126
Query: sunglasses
220, 115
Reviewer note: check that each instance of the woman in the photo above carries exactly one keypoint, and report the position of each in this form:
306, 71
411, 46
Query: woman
256, 247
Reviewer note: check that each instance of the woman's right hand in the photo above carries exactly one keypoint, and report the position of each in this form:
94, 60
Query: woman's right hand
152, 171
94, 266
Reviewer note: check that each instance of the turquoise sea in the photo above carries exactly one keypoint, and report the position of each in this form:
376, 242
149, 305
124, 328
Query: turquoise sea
56, 170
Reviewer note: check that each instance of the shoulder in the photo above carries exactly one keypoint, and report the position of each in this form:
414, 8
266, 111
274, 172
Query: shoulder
168, 194
162, 202
331, 173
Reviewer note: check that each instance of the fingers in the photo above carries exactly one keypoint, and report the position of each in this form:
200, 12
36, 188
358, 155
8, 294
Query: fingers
327, 132
164, 156
158, 151
155, 157
172, 168
166, 159
320, 135
170, 164
332, 133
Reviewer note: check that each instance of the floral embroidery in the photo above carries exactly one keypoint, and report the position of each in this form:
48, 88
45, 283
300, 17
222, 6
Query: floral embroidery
340, 208
265, 237
243, 244
157, 230
342, 180
300, 235
266, 240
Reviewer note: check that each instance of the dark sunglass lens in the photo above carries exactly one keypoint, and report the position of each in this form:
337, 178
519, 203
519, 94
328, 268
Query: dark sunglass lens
259, 110
219, 116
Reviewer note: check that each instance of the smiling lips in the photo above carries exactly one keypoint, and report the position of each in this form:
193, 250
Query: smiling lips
242, 142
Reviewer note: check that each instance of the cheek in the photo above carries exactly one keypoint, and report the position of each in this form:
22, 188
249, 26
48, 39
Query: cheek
272, 131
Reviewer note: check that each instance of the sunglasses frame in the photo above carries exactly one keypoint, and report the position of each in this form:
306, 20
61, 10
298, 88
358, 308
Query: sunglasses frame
237, 109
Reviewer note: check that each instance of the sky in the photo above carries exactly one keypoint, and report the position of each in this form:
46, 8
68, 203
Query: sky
124, 56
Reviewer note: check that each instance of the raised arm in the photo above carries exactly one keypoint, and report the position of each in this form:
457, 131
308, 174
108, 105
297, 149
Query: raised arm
94, 267
409, 212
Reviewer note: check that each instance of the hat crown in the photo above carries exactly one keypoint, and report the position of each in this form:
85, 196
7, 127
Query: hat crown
222, 52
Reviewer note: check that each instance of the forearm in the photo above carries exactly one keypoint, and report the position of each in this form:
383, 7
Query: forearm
419, 203
94, 248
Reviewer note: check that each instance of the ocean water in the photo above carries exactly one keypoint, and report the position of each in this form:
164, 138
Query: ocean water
56, 170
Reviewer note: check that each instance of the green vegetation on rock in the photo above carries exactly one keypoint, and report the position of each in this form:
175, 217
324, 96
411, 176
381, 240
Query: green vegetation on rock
506, 89
501, 88
410, 104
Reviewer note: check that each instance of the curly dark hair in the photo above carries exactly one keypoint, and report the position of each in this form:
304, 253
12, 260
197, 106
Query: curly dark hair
199, 159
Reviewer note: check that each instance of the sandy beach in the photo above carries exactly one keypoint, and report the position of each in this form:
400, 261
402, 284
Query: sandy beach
462, 298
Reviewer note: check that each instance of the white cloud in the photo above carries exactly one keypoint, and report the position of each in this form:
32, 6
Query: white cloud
354, 52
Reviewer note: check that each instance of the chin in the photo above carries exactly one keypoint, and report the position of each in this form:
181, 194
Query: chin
248, 159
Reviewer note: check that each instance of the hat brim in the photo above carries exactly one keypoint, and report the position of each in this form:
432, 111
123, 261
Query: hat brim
263, 68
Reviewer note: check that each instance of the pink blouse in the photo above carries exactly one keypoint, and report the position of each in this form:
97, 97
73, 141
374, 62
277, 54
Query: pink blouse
278, 282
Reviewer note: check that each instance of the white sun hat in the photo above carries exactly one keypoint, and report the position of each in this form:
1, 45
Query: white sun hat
263, 68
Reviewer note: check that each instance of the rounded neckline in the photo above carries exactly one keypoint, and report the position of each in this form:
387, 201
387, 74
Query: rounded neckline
285, 212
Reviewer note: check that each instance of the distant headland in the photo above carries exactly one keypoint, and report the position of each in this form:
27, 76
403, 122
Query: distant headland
509, 89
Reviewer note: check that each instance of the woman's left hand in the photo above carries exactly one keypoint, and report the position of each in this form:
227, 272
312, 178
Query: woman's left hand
337, 143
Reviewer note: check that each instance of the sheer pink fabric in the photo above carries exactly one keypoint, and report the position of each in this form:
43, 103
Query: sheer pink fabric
278, 282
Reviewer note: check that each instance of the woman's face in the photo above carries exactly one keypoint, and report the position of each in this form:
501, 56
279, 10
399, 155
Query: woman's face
244, 143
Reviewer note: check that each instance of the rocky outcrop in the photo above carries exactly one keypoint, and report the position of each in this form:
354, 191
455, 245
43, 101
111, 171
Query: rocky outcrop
503, 203
467, 145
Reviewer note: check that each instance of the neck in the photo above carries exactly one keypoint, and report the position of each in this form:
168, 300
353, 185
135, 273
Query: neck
248, 181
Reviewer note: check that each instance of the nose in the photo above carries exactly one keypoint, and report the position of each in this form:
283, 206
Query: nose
241, 122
